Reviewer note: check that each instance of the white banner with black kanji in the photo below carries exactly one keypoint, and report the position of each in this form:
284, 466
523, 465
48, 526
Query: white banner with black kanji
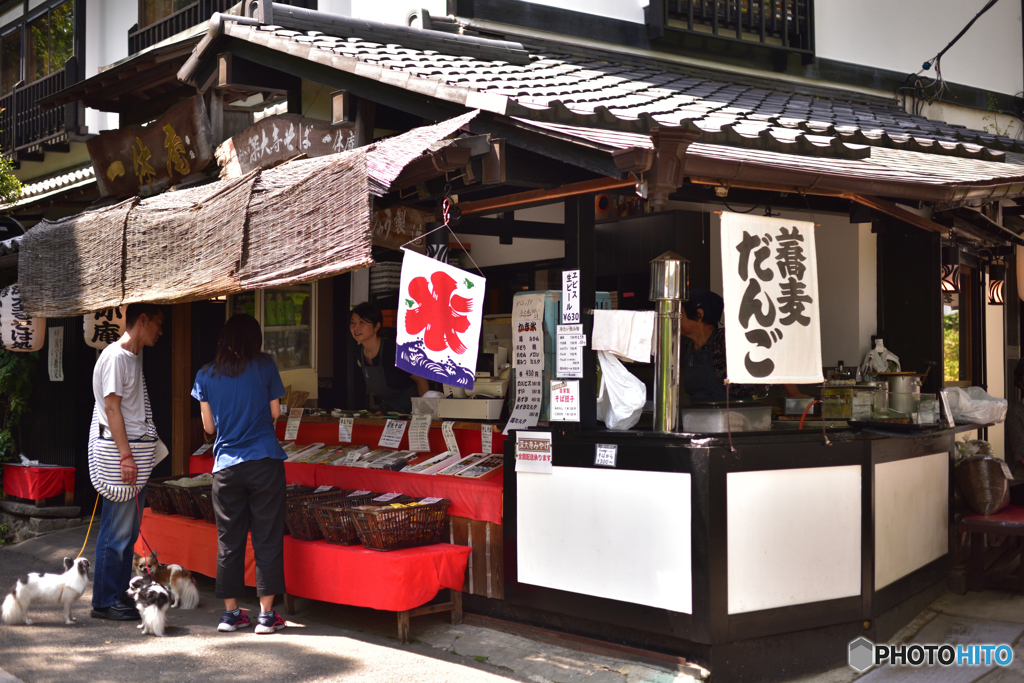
770, 283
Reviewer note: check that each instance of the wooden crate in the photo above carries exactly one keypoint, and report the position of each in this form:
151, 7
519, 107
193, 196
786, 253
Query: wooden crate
485, 572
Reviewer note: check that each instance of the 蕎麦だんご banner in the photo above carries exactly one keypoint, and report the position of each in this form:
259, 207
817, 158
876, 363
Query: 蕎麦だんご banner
770, 287
439, 317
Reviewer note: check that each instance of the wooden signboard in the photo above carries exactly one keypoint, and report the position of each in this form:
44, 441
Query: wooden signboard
395, 226
148, 159
276, 139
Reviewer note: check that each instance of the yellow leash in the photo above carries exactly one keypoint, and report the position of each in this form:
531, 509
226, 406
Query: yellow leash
94, 506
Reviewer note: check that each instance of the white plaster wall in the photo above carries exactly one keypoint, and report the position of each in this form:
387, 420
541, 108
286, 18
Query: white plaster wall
995, 368
794, 536
106, 42
342, 7
575, 535
391, 11
867, 269
624, 10
487, 251
901, 35
911, 515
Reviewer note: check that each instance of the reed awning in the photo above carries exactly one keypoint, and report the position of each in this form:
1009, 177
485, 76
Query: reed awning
301, 221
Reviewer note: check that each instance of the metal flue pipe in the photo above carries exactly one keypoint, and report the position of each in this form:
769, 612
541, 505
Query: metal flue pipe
670, 286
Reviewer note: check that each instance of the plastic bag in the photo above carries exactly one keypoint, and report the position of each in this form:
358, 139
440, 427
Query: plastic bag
975, 406
621, 398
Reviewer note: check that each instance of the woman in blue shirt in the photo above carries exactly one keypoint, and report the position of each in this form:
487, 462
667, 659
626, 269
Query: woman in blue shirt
240, 396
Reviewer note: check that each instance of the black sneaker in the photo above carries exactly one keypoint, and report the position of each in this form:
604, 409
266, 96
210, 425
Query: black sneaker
116, 612
270, 623
229, 622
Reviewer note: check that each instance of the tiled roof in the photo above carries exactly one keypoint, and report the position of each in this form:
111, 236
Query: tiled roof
33, 191
595, 91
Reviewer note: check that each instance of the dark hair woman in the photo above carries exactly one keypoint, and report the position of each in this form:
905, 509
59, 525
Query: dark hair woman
375, 357
240, 397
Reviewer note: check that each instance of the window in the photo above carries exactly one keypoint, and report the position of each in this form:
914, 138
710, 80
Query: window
152, 11
50, 38
10, 61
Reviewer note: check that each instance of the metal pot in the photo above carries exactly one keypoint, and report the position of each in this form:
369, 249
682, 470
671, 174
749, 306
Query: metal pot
902, 382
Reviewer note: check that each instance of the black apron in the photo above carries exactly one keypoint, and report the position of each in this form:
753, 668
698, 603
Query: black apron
392, 400
699, 378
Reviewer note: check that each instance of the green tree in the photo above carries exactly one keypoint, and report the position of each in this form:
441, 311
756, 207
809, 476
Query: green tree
16, 372
951, 346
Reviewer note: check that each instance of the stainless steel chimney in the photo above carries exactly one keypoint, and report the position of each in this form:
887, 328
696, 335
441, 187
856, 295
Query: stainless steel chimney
670, 286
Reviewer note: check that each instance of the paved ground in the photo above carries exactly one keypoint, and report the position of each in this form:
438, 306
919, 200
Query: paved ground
323, 643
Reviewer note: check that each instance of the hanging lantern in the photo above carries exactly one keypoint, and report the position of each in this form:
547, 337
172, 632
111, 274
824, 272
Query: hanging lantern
996, 282
103, 328
19, 332
950, 278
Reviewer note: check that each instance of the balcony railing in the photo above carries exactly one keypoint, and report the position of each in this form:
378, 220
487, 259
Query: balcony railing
25, 128
781, 23
182, 20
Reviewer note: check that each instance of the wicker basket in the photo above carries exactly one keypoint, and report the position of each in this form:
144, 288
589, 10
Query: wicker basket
184, 502
336, 525
983, 483
394, 528
301, 523
158, 498
204, 499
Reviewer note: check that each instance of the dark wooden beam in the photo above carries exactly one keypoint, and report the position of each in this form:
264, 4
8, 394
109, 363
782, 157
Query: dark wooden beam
240, 74
523, 200
181, 387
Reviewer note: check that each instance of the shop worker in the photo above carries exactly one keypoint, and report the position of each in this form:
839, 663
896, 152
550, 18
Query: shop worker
375, 356
239, 396
703, 352
123, 449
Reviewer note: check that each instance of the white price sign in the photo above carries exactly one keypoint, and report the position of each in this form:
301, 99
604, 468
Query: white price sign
569, 344
605, 454
565, 400
419, 433
533, 452
358, 493
386, 497
345, 429
448, 429
291, 430
570, 296
486, 439
394, 430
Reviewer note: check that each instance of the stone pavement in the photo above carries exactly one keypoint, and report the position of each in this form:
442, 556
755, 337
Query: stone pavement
324, 642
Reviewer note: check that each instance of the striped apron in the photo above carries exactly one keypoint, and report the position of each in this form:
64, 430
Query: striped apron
105, 459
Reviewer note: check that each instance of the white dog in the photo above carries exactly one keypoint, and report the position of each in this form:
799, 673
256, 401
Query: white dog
152, 601
61, 589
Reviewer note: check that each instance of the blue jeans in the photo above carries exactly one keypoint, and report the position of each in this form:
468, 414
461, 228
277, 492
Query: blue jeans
112, 570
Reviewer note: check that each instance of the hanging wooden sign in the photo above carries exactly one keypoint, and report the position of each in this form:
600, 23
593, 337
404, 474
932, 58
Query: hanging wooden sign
18, 331
148, 159
275, 139
394, 227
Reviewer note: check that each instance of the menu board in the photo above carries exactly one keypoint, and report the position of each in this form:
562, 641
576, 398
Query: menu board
528, 360
569, 351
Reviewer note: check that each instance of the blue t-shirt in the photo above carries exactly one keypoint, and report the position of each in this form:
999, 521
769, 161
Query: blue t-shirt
241, 412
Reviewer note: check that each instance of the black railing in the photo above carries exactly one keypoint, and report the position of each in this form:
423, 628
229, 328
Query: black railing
25, 128
182, 20
782, 23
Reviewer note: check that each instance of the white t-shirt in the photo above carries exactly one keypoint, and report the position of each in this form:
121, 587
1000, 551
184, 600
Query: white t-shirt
119, 372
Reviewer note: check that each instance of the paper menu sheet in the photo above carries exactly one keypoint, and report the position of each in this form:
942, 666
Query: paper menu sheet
528, 360
419, 433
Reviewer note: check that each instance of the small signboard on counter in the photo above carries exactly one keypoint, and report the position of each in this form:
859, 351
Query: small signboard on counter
419, 433
533, 452
569, 344
605, 454
448, 430
394, 430
486, 438
565, 401
291, 430
345, 429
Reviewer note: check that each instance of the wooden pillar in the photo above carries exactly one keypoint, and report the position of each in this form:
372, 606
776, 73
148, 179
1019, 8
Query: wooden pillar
181, 387
581, 253
366, 113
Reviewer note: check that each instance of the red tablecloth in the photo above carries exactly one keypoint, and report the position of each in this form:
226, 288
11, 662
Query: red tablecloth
480, 500
36, 483
352, 575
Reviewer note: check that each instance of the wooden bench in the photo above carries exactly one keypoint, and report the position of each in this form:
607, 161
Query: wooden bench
993, 566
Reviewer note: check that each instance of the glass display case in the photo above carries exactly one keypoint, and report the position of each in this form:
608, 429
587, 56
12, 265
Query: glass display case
287, 316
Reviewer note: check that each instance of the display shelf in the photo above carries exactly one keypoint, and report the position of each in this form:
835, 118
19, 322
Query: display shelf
285, 328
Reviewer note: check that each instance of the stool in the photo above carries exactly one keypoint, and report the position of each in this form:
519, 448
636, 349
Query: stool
990, 569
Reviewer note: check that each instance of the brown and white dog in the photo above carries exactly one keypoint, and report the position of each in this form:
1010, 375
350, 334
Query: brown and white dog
176, 579
61, 589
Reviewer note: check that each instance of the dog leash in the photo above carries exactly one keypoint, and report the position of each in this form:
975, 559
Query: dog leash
94, 506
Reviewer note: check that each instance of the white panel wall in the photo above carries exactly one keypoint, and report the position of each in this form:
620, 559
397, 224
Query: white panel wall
901, 35
614, 534
793, 536
106, 42
911, 515
392, 11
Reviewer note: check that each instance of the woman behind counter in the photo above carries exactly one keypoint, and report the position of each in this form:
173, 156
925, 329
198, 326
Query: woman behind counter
376, 358
703, 352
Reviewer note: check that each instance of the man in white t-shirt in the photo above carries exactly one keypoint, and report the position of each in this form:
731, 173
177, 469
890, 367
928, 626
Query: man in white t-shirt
121, 412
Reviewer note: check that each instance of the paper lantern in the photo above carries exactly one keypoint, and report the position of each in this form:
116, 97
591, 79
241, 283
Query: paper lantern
103, 328
19, 332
